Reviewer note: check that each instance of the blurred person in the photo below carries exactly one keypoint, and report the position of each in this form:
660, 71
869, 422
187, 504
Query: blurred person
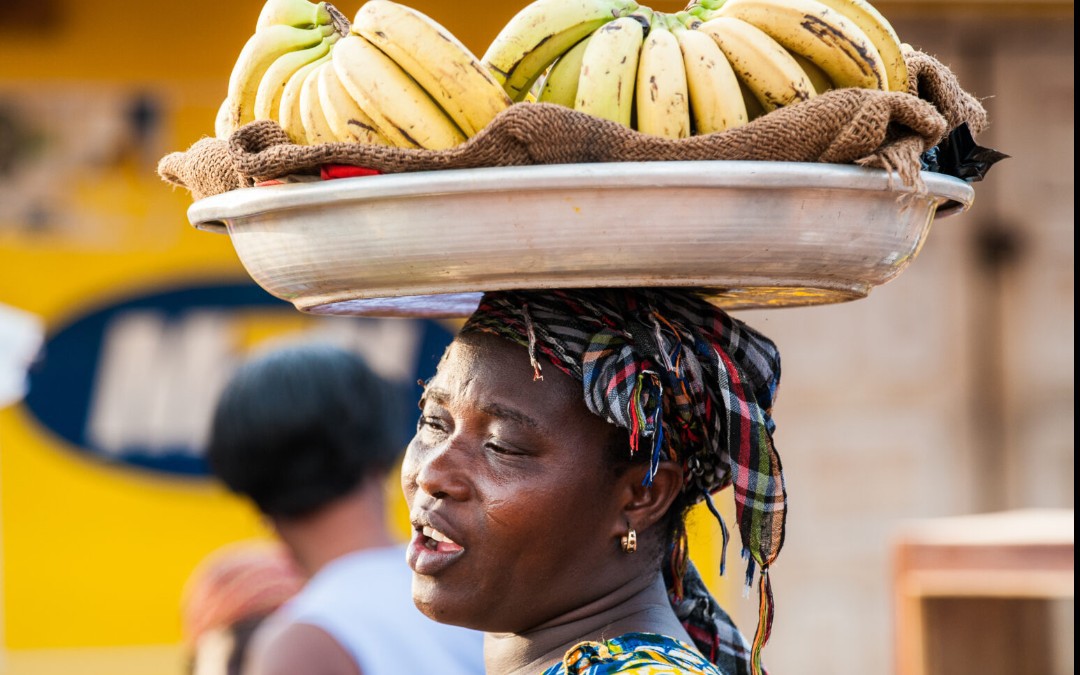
227, 597
309, 434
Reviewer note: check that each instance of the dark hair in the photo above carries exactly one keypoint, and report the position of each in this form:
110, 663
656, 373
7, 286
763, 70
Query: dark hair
302, 426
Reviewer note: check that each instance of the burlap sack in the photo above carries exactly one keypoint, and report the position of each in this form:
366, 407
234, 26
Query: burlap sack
888, 130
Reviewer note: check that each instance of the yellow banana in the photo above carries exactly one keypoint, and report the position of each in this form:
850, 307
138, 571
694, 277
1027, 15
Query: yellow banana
561, 82
221, 121
662, 98
289, 111
316, 128
402, 111
817, 76
348, 122
716, 101
760, 62
268, 95
298, 13
754, 109
822, 35
881, 34
438, 61
537, 86
258, 54
542, 32
609, 71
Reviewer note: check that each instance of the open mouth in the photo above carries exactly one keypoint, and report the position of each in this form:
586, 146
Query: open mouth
433, 540
432, 551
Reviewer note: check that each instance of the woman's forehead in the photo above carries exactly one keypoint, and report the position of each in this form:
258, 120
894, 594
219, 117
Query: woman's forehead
469, 347
499, 362
499, 371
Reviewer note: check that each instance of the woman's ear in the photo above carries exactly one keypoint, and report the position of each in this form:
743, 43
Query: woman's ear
645, 505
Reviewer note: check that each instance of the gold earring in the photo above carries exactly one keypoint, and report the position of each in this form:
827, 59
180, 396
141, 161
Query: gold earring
629, 540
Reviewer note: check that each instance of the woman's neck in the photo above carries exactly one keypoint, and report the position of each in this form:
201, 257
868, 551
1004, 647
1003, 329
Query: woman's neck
641, 609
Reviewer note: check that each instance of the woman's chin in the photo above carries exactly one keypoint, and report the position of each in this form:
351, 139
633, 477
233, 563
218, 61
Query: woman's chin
434, 602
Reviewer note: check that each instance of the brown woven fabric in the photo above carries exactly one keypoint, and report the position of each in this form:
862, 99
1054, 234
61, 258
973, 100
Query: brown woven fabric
205, 169
846, 126
931, 80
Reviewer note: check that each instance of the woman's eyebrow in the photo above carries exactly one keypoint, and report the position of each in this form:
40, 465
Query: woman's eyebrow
442, 397
435, 395
505, 412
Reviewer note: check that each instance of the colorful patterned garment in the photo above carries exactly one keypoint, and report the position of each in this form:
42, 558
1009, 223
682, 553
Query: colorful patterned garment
691, 384
634, 653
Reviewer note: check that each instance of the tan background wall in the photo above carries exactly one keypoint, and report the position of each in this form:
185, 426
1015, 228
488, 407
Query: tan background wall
949, 390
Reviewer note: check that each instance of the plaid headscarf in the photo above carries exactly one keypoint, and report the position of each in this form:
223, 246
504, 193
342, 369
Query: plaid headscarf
690, 384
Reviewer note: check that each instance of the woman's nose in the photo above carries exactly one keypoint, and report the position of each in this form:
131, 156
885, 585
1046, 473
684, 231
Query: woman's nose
438, 471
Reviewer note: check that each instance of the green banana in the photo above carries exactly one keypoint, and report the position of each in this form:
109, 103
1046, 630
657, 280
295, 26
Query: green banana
297, 13
258, 54
268, 96
561, 82
542, 32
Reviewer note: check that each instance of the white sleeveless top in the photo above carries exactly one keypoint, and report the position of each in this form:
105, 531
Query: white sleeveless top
364, 601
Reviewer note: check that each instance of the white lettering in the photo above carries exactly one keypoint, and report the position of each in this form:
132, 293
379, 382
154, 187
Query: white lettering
159, 379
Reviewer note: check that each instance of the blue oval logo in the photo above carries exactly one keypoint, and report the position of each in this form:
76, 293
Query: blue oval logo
136, 382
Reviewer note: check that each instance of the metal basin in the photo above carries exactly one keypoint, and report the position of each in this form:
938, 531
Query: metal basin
744, 234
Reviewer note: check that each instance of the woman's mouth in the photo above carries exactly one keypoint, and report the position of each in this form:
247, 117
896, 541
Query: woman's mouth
437, 541
431, 551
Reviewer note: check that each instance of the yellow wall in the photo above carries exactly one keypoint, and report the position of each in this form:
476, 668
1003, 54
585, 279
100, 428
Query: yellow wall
93, 556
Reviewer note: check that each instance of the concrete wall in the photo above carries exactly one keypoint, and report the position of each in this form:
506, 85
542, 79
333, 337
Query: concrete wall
948, 390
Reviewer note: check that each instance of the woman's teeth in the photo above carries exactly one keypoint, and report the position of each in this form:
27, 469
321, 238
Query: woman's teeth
432, 533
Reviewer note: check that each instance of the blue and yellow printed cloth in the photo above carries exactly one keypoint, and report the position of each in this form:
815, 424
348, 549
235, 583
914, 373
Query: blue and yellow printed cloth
635, 653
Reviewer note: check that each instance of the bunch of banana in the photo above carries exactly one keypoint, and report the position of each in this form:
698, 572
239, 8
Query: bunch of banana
620, 61
289, 35
346, 119
768, 71
837, 43
713, 66
541, 33
419, 85
393, 76
717, 101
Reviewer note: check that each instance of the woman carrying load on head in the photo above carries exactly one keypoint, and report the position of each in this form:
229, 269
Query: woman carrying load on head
560, 444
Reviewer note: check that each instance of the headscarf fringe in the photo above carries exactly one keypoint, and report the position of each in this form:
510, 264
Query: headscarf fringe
751, 567
766, 608
654, 463
723, 532
647, 392
678, 560
530, 331
660, 345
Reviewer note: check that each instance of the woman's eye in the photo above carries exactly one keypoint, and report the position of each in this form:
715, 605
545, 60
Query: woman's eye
430, 424
502, 449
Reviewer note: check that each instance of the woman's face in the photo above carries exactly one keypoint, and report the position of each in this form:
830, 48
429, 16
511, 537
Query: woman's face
510, 473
